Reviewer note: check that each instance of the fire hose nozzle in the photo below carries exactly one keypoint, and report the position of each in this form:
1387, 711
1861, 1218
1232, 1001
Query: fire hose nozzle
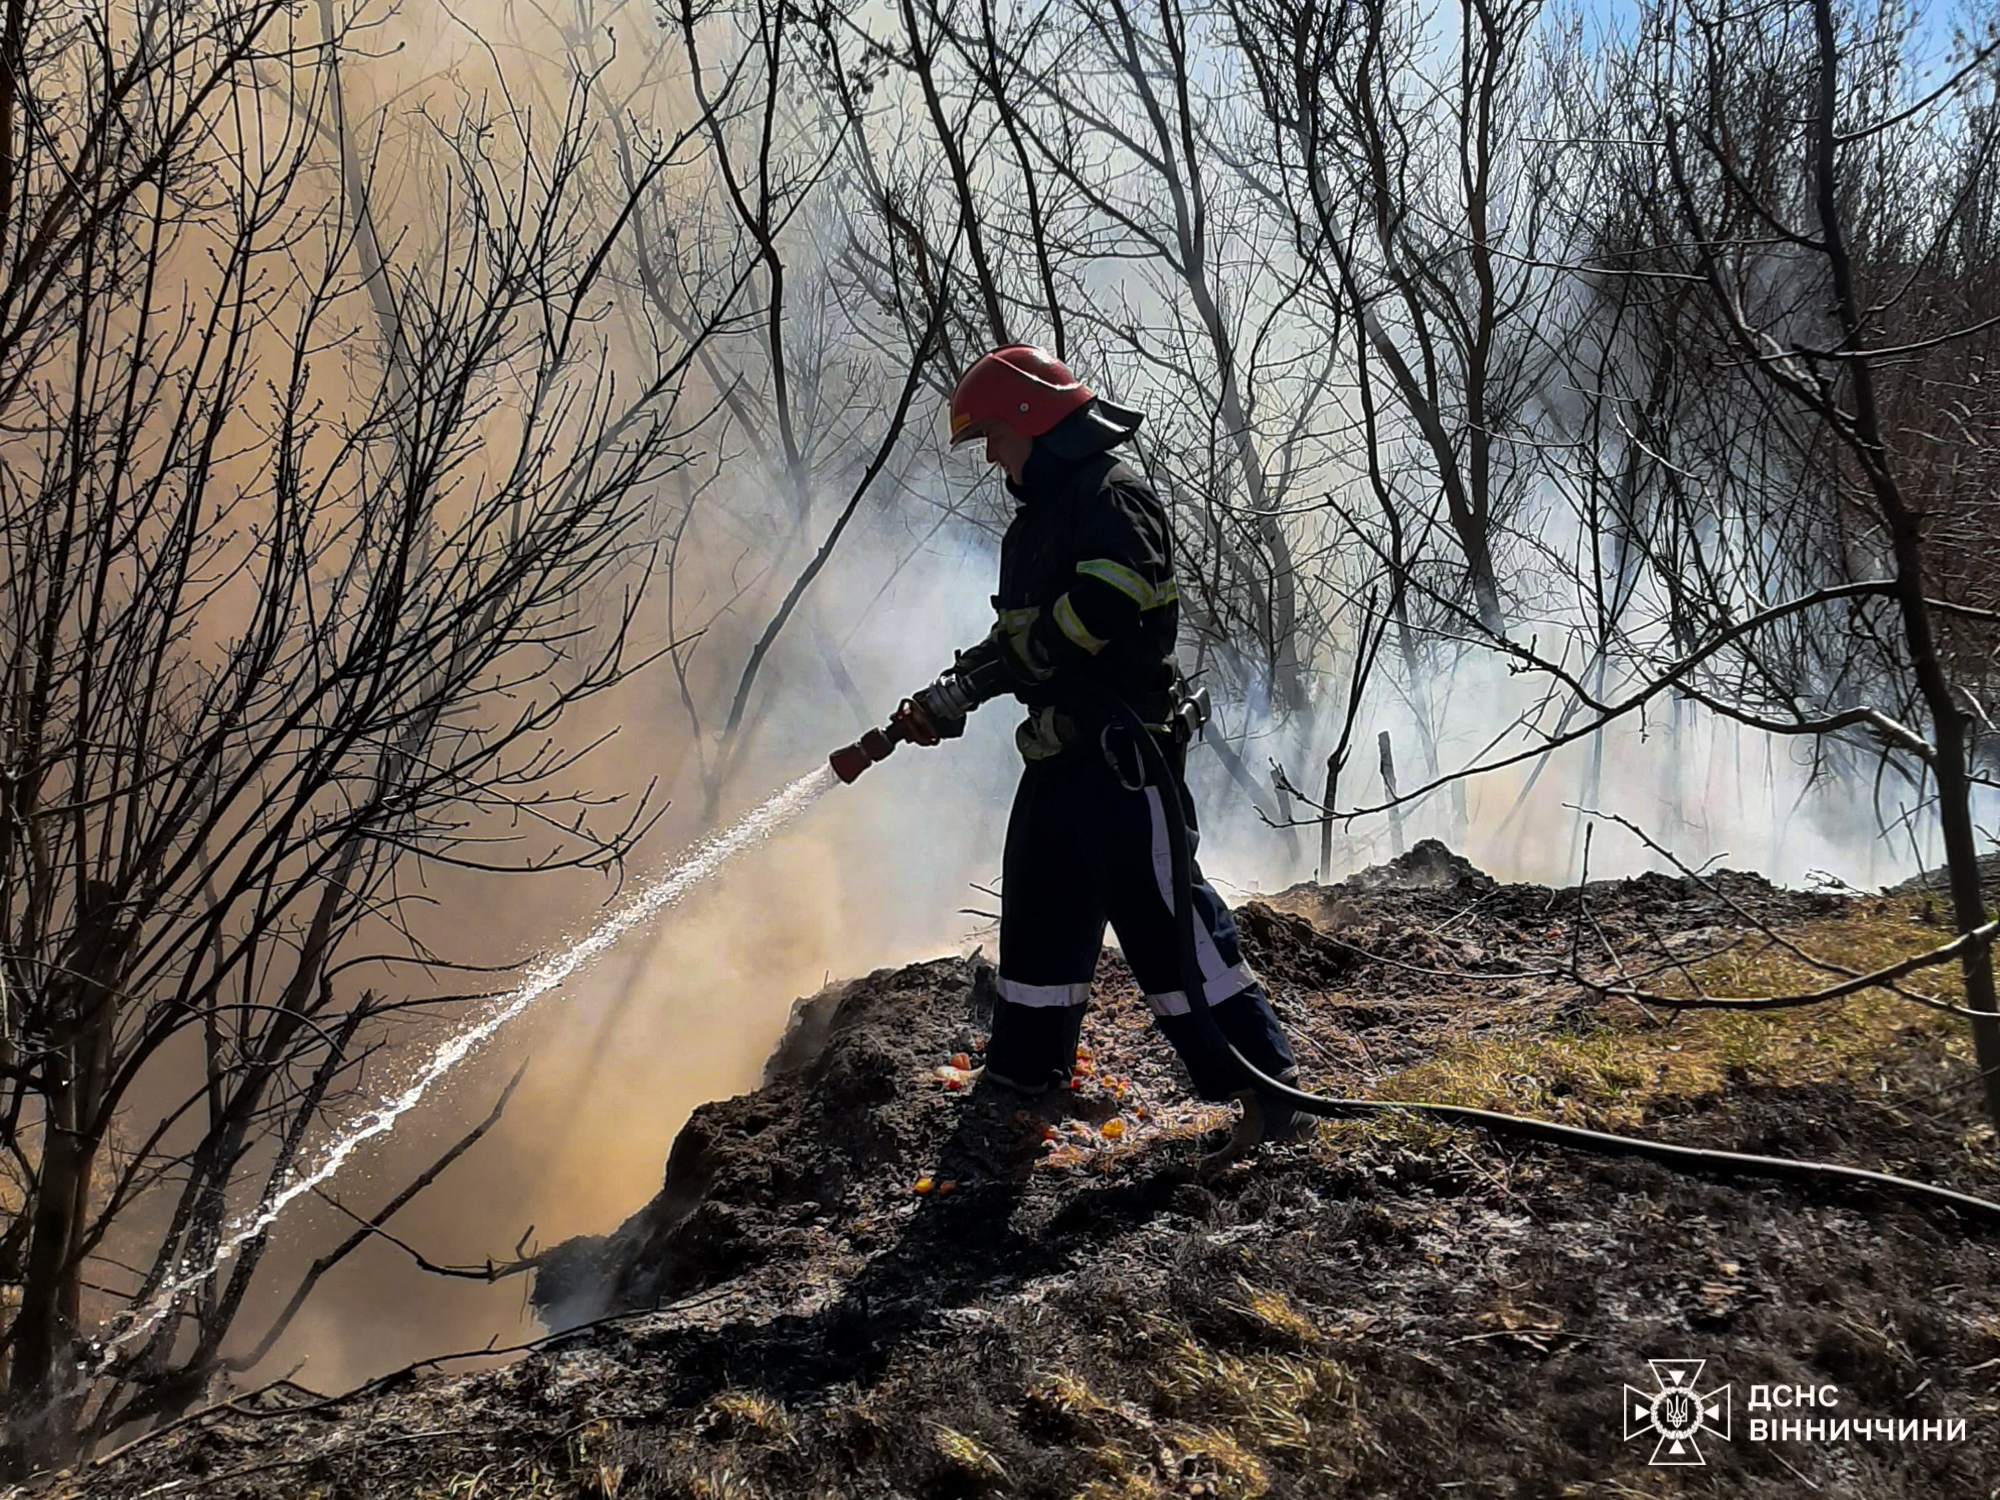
850, 761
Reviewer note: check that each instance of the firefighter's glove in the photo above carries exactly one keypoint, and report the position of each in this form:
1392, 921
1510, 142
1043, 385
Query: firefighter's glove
1002, 663
929, 716
914, 724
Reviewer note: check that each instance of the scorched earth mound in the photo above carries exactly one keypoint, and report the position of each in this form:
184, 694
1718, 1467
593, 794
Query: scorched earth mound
1393, 1308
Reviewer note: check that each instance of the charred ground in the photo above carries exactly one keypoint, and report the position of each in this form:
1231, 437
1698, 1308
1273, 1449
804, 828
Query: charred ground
1390, 1309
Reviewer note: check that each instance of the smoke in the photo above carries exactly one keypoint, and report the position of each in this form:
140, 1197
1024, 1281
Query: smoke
1707, 788
688, 1009
470, 1036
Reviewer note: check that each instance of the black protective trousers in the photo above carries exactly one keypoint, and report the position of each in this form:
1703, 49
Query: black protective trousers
1087, 844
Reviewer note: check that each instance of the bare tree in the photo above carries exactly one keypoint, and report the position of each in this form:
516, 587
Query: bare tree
1114, 110
297, 525
796, 366
1818, 260
1842, 366
1419, 206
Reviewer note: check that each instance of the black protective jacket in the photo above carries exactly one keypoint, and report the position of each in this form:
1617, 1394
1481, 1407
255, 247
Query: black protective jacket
1087, 605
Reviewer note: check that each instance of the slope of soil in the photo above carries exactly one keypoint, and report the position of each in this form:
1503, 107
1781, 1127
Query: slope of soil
1392, 1308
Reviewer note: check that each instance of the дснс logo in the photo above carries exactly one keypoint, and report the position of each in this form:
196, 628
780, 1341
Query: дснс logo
1678, 1411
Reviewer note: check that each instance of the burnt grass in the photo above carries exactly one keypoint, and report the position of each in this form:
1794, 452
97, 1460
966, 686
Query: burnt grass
1393, 1308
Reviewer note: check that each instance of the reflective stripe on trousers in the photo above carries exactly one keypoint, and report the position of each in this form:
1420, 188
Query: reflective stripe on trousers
1084, 850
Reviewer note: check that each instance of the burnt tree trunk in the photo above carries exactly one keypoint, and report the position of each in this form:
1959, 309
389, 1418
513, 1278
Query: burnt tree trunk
1389, 788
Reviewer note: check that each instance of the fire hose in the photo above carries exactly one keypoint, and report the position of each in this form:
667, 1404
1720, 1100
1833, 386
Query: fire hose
878, 744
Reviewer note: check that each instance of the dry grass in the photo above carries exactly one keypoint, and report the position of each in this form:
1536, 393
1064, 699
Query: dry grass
1205, 1461
1276, 1314
1233, 1471
1608, 1076
1209, 1421
1064, 1394
1119, 1482
1261, 1398
498, 1482
748, 1416
967, 1454
1819, 1042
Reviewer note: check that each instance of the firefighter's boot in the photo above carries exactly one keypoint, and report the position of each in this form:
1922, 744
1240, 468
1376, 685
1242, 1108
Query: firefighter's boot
999, 1131
1264, 1121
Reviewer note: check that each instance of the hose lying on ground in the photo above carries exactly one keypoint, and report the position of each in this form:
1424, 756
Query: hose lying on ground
1682, 1158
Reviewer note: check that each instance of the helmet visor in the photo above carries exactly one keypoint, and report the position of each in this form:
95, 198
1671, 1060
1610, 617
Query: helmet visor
966, 429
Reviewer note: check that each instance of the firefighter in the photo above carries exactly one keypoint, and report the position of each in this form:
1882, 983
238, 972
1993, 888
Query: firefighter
1086, 615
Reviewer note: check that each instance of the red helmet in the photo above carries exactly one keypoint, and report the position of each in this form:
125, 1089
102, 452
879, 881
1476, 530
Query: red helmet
1027, 388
